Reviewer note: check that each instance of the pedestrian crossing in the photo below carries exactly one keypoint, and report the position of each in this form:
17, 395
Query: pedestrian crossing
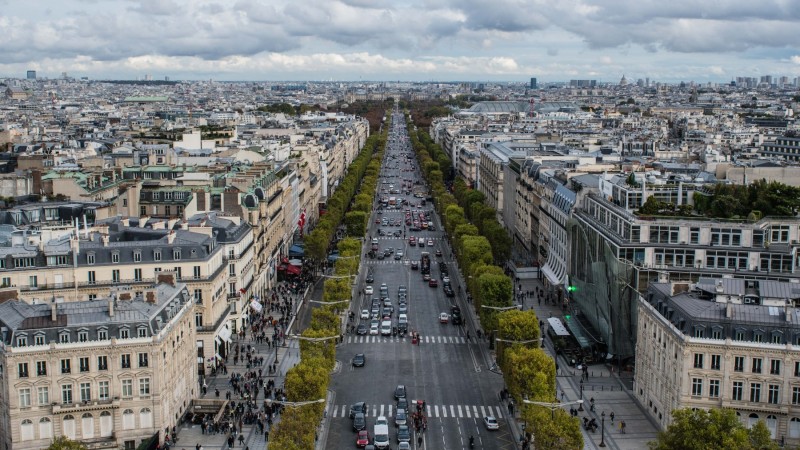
392, 339
431, 411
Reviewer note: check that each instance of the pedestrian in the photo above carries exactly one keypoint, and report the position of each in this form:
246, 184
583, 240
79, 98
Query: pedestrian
419, 441
612, 417
622, 427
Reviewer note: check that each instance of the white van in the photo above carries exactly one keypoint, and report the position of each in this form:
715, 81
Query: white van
381, 432
386, 327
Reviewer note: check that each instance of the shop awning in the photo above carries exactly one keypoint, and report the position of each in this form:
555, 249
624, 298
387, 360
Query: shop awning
296, 250
225, 334
256, 306
551, 275
296, 262
557, 327
577, 331
293, 270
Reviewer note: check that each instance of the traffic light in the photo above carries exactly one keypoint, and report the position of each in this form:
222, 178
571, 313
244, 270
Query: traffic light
572, 288
568, 316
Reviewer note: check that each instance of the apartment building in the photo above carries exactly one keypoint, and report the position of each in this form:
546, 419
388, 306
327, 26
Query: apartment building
614, 253
785, 148
721, 342
110, 372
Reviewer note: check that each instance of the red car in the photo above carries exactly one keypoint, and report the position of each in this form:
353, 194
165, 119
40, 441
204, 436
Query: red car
363, 439
433, 283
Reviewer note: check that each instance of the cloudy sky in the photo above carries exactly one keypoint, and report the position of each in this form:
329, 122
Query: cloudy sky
474, 40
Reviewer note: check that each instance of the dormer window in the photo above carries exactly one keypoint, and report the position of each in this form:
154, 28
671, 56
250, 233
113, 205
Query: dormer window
22, 341
142, 331
64, 337
83, 336
157, 255
758, 336
176, 254
124, 333
115, 257
40, 339
137, 256
90, 258
777, 337
102, 334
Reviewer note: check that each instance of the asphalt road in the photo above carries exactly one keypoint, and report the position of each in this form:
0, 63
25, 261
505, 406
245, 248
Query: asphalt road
445, 370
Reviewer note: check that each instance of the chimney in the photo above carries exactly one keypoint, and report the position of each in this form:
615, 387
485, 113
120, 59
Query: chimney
105, 239
110, 307
171, 236
53, 311
728, 310
787, 311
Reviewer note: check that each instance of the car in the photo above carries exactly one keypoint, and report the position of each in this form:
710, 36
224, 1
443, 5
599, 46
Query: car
359, 422
370, 277
363, 439
403, 446
448, 291
456, 318
403, 434
421, 243
359, 360
402, 403
400, 391
414, 265
378, 220
375, 312
387, 302
402, 318
445, 279
368, 290
387, 312
491, 423
386, 328
362, 329
402, 309
438, 253
381, 255
364, 314
398, 255
430, 242
426, 277
433, 283
381, 420
444, 317
400, 417
358, 407
387, 253
374, 329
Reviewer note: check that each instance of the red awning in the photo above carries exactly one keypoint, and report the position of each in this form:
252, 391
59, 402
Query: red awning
293, 270
282, 267
285, 260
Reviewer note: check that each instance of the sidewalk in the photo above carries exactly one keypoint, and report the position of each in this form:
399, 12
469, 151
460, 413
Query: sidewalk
287, 356
604, 385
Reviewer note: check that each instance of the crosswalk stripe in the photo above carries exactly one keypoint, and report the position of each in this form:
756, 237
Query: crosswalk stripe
475, 410
466, 409
428, 408
452, 411
390, 411
435, 411
374, 411
499, 413
460, 414
483, 411
382, 406
444, 411
344, 410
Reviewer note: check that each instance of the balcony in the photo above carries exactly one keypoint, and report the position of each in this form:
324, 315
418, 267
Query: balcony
58, 408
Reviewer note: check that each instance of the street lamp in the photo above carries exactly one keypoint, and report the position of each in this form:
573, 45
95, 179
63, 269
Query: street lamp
603, 429
501, 308
552, 406
312, 339
519, 342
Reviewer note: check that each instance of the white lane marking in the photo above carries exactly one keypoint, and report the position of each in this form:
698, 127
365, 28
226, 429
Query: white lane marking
460, 414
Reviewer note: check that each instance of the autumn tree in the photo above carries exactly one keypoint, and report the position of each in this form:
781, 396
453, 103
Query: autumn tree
717, 428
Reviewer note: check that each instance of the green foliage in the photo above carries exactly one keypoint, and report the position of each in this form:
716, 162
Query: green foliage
65, 443
554, 430
274, 108
522, 327
717, 428
356, 222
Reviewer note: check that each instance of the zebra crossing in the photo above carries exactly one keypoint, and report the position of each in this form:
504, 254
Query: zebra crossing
431, 411
391, 339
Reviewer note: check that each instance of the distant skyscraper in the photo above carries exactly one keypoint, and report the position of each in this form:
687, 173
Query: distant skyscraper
534, 84
31, 75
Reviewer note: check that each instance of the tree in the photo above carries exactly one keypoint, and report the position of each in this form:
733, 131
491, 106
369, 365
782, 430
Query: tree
522, 327
356, 222
65, 443
717, 428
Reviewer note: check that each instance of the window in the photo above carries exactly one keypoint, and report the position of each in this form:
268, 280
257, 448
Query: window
738, 387
66, 366
232, 270
103, 390
178, 273
144, 386
102, 363
713, 388
774, 394
126, 361
716, 362
797, 368
143, 210
167, 210
22, 370
22, 341
196, 272
697, 387
127, 388
738, 363
6, 280
176, 254
41, 368
102, 335
92, 277
699, 332
698, 360
115, 275
157, 255
779, 233
757, 365
25, 397
694, 235
124, 333
198, 296
775, 366
83, 363
741, 335
142, 332
92, 297
777, 338
137, 256
86, 392
758, 336
198, 320
796, 395
64, 337
137, 274
33, 281
142, 359
39, 339
755, 392
115, 257
83, 336
44, 395
66, 394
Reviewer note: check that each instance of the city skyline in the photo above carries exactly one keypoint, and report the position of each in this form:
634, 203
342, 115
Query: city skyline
411, 40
